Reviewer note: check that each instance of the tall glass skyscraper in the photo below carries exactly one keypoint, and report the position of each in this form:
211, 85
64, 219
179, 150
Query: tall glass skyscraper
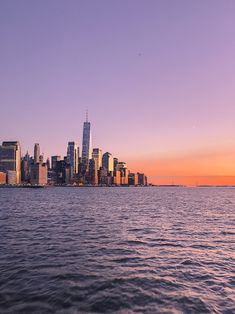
73, 156
107, 162
86, 141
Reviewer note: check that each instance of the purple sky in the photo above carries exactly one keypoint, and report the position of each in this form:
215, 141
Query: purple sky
158, 77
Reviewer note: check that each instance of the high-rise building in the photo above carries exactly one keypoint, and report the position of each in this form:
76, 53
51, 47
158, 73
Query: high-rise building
62, 172
102, 176
97, 156
25, 168
146, 180
41, 157
10, 159
73, 157
122, 167
133, 179
115, 163
48, 163
86, 141
107, 162
141, 179
36, 153
117, 178
38, 174
54, 159
93, 173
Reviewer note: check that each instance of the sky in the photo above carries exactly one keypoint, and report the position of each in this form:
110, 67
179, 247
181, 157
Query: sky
157, 78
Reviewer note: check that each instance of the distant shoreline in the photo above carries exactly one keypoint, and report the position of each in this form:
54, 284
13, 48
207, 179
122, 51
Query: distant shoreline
108, 186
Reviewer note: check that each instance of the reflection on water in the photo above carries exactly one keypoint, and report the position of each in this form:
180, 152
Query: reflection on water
151, 250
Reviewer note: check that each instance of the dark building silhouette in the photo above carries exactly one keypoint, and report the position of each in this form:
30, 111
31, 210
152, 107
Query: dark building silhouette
54, 159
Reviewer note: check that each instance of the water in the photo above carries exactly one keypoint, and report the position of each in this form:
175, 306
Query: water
124, 250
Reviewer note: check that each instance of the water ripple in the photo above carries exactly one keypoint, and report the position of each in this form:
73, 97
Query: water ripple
149, 250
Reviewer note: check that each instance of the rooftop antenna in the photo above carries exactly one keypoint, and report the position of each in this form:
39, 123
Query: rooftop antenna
86, 114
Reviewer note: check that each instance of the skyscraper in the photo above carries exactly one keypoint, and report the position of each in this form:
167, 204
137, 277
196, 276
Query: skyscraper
54, 159
107, 162
36, 153
115, 163
86, 141
38, 174
25, 168
97, 156
73, 157
122, 167
93, 173
10, 160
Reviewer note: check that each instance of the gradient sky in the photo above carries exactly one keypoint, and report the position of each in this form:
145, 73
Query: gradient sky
158, 78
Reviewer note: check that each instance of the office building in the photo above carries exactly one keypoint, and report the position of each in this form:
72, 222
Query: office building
115, 163
117, 178
62, 172
133, 179
102, 175
93, 173
10, 159
41, 159
25, 168
54, 159
122, 167
141, 179
48, 164
73, 158
107, 162
38, 174
36, 153
86, 141
97, 156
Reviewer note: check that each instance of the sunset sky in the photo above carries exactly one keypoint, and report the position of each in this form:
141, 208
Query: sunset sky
158, 78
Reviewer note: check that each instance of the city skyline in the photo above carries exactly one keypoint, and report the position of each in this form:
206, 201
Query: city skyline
159, 88
157, 174
91, 168
159, 179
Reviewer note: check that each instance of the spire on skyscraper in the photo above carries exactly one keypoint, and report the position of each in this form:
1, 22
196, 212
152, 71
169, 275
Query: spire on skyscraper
86, 142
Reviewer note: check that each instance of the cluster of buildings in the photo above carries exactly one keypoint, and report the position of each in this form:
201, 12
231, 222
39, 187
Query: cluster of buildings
92, 167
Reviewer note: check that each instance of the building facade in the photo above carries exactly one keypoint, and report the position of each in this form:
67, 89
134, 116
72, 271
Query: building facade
93, 173
86, 142
122, 167
107, 162
141, 179
133, 179
10, 159
25, 168
3, 178
36, 153
97, 156
73, 157
54, 159
38, 174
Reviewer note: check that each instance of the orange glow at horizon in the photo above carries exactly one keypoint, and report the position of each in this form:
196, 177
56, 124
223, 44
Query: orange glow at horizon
199, 168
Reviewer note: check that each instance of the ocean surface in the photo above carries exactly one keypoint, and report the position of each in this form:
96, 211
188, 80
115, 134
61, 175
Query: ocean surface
117, 250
